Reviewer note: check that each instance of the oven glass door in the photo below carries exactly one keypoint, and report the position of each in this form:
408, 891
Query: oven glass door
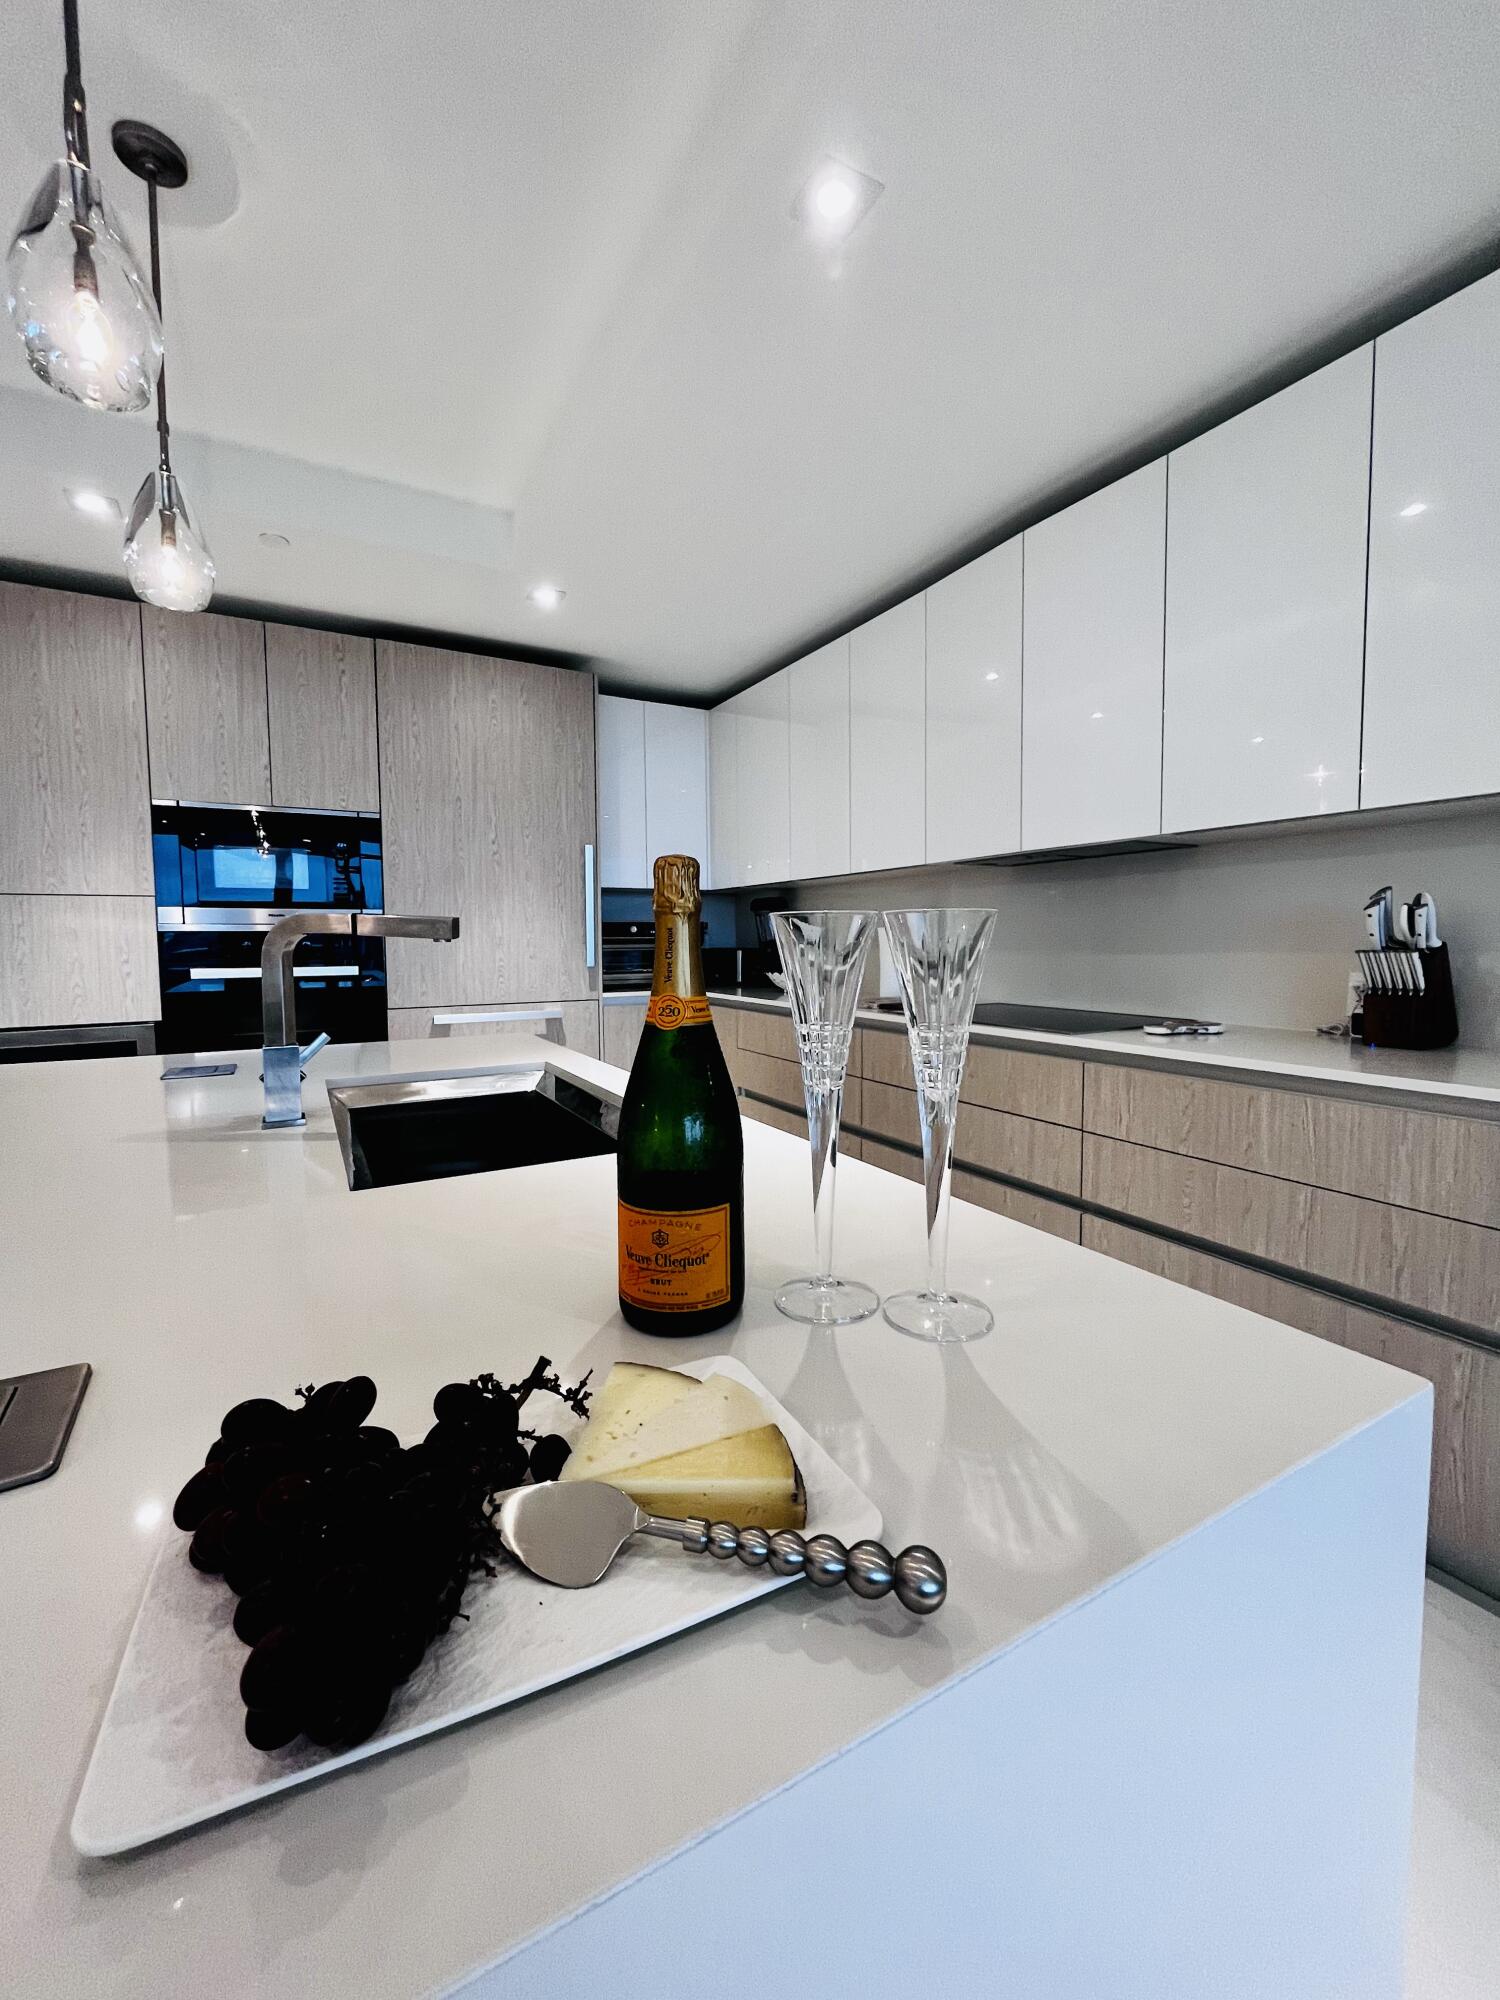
253, 858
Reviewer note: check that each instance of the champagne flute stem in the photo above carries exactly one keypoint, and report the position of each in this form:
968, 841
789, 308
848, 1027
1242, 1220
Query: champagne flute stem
939, 1115
823, 1108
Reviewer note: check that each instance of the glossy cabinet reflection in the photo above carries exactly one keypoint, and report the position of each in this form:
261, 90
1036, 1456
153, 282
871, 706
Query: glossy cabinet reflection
764, 804
1432, 660
819, 764
622, 793
1095, 601
887, 735
1266, 519
973, 681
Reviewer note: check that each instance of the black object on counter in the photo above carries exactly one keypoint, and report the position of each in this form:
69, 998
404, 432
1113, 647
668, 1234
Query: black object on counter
36, 1416
1425, 1020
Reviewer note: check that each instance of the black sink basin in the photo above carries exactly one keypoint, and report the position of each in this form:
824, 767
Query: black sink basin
437, 1127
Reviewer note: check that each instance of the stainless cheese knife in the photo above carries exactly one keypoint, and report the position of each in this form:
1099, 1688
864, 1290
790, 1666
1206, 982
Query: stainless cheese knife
570, 1533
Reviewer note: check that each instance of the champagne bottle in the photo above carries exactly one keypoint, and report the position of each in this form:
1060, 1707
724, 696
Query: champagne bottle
681, 1152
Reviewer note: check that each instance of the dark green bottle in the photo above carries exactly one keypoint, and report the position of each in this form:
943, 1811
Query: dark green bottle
681, 1160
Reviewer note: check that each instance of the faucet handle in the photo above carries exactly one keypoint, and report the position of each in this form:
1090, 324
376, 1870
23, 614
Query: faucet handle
314, 1047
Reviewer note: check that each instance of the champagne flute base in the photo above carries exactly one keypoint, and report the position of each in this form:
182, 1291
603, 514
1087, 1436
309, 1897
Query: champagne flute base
827, 1301
945, 1318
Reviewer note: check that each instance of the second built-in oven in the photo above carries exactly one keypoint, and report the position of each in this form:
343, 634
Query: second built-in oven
224, 875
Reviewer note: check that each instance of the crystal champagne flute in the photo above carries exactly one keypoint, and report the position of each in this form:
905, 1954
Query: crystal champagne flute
938, 956
823, 955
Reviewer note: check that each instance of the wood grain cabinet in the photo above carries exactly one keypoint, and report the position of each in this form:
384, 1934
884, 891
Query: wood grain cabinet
973, 712
1266, 530
1464, 1524
1095, 603
621, 1022
206, 718
487, 784
68, 961
75, 816
320, 694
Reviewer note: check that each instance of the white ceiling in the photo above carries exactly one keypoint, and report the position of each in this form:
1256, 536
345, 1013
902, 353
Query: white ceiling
533, 258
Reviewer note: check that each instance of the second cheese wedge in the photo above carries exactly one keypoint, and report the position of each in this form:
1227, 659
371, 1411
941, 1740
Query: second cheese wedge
708, 1413
750, 1479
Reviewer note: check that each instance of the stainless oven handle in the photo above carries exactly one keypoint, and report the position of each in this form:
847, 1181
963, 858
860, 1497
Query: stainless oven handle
590, 946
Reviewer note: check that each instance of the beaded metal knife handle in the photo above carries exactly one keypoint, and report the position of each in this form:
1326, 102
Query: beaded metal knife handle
916, 1575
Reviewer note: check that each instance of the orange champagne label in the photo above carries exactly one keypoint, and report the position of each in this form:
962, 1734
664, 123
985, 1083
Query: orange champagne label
674, 1261
671, 1010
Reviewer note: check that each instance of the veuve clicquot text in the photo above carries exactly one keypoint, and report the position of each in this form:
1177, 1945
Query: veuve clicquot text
681, 1153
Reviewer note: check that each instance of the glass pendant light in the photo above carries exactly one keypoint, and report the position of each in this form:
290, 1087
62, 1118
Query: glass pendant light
73, 286
166, 559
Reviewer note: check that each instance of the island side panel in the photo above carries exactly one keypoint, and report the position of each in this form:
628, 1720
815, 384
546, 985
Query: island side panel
1198, 1783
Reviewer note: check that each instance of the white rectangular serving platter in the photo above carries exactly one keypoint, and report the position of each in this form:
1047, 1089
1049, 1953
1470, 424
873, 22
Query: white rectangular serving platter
171, 1750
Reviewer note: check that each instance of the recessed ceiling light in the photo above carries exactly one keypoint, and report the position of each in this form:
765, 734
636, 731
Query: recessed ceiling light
1097, 716
835, 200
992, 675
546, 596
98, 505
268, 539
1416, 507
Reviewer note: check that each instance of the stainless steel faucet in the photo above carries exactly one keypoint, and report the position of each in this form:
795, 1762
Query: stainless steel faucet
281, 1058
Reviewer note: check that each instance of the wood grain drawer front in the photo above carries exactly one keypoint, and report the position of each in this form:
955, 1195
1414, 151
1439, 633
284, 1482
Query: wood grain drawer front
75, 816
621, 1033
768, 1034
206, 714
1464, 1527
769, 1076
999, 1079
1424, 1262
891, 1160
776, 1115
70, 961
1033, 1209
1027, 1149
1431, 1160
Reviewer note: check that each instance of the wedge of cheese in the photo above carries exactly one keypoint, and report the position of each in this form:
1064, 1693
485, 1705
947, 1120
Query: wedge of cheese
649, 1421
750, 1479
632, 1394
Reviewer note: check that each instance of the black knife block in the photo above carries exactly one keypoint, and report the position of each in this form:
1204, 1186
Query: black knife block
1426, 1020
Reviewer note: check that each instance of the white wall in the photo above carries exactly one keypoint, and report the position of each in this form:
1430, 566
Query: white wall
1258, 930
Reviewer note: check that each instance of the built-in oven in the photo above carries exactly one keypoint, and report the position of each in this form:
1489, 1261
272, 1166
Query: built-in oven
224, 875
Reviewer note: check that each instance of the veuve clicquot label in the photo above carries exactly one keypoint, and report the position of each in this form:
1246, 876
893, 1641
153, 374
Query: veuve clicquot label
675, 1261
680, 1156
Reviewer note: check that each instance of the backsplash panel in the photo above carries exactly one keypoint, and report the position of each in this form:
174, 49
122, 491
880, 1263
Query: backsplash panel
1259, 930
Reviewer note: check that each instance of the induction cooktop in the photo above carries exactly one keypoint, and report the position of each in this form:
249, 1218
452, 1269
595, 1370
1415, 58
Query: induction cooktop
1046, 1020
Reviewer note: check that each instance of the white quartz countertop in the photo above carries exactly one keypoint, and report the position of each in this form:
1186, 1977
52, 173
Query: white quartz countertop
156, 1231
1472, 1075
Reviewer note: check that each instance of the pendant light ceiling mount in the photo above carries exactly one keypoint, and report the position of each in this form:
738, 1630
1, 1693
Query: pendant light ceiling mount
150, 155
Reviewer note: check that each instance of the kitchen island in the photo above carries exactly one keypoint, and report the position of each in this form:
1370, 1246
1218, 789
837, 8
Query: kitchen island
1158, 1741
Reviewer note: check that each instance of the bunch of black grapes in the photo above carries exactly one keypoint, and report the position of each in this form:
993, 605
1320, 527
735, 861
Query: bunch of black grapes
348, 1554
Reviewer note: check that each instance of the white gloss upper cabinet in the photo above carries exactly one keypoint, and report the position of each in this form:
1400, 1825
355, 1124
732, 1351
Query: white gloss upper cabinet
887, 731
1432, 659
676, 740
1095, 603
819, 705
973, 682
1266, 527
764, 808
724, 794
623, 861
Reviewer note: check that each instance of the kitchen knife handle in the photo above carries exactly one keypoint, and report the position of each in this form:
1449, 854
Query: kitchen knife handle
916, 1575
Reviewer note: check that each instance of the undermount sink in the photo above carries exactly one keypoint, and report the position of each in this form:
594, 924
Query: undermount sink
434, 1127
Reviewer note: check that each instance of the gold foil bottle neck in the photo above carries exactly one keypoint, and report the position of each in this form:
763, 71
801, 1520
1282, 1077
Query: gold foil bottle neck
674, 886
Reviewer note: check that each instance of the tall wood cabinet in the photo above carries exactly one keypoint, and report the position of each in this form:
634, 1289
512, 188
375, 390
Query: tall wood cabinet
77, 912
210, 734
320, 700
487, 791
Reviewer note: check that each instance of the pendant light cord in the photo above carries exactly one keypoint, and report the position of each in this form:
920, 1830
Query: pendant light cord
75, 112
163, 432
